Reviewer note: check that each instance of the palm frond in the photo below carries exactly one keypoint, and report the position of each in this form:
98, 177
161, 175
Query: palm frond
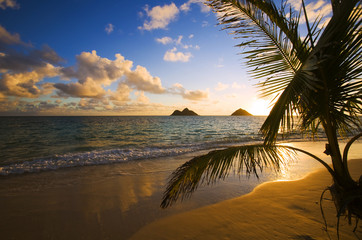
216, 165
275, 53
328, 84
338, 68
275, 50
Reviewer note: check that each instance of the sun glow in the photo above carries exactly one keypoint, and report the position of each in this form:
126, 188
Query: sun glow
260, 107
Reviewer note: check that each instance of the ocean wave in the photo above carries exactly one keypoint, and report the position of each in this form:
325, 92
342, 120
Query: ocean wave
99, 157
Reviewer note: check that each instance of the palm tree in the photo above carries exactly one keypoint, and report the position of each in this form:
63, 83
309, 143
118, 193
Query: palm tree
315, 81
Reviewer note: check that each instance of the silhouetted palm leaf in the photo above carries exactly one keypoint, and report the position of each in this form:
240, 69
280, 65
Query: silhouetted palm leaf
299, 72
327, 88
317, 78
216, 165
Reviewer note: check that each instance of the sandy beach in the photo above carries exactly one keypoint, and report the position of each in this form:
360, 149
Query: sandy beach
121, 201
277, 210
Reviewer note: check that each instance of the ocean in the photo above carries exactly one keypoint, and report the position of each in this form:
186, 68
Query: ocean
104, 177
34, 144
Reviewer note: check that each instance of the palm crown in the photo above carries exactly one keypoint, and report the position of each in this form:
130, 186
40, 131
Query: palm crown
316, 78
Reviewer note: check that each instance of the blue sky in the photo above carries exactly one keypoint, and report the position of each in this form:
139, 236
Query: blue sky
111, 57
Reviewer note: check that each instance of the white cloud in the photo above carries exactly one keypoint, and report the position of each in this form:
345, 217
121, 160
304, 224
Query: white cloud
173, 56
8, 4
220, 86
92, 67
160, 17
194, 95
177, 42
94, 72
109, 28
187, 6
142, 80
164, 40
315, 9
191, 36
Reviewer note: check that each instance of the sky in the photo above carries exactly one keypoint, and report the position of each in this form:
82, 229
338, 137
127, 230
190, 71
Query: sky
111, 57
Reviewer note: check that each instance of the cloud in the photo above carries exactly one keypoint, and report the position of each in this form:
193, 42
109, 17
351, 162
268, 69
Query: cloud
109, 28
91, 67
15, 61
7, 38
94, 105
122, 93
86, 89
23, 67
164, 40
94, 72
173, 56
21, 74
25, 84
160, 17
187, 6
195, 95
17, 56
8, 4
31, 107
141, 98
191, 36
315, 9
220, 86
142, 80
177, 42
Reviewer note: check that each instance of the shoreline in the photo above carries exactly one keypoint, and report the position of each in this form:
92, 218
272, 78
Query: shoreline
118, 200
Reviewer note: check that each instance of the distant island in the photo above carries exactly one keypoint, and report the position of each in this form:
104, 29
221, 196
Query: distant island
185, 112
241, 112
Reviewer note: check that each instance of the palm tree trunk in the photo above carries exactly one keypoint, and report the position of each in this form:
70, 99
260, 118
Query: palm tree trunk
343, 177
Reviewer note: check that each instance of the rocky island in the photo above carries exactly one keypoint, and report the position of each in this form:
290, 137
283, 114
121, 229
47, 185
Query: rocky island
185, 112
241, 112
